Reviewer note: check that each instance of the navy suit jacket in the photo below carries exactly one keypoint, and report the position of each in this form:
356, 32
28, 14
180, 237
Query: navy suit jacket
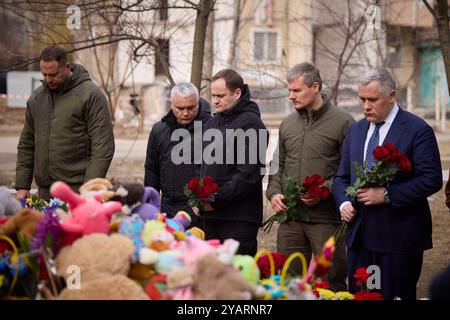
404, 225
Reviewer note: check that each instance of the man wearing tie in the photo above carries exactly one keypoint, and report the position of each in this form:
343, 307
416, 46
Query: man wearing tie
388, 227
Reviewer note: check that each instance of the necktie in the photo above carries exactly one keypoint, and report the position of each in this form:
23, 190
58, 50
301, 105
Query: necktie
373, 143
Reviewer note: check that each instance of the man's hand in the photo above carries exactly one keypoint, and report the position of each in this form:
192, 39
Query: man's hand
22, 194
348, 213
278, 204
310, 201
370, 196
207, 207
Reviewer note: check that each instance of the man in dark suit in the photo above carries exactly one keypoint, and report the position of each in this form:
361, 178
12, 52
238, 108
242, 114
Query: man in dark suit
388, 227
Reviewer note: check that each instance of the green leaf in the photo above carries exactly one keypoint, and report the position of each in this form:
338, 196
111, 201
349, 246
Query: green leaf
351, 192
282, 218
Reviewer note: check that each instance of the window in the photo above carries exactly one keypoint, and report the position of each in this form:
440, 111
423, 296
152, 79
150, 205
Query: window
164, 49
265, 45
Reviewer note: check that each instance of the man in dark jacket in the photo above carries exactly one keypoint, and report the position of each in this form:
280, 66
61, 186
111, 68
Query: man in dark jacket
162, 170
67, 133
236, 161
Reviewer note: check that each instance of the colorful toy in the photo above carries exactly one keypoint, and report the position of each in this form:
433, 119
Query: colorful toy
150, 204
132, 227
87, 215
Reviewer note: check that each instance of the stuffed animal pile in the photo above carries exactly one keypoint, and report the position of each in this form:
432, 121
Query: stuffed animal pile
138, 253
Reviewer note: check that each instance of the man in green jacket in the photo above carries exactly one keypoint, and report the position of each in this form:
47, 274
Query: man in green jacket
67, 133
309, 142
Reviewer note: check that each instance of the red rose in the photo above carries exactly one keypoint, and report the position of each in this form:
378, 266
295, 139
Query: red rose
362, 275
368, 296
404, 163
202, 193
207, 180
325, 192
192, 184
394, 154
314, 191
308, 182
381, 153
211, 188
264, 265
317, 179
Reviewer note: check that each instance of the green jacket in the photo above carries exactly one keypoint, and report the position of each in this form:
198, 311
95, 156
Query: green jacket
310, 143
67, 134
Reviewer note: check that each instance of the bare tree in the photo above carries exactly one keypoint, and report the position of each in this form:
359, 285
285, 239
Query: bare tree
204, 7
441, 15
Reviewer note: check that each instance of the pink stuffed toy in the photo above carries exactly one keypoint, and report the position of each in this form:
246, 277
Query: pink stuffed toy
87, 215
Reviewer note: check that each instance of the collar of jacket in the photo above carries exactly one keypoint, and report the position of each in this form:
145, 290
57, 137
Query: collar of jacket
316, 114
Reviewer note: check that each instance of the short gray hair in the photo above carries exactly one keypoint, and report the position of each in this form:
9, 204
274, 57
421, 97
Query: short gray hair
185, 90
306, 70
383, 76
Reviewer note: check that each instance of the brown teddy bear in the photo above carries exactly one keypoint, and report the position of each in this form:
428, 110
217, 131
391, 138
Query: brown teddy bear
24, 222
103, 263
214, 280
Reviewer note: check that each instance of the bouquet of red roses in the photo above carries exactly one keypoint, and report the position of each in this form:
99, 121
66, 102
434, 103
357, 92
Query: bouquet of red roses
312, 187
200, 191
388, 162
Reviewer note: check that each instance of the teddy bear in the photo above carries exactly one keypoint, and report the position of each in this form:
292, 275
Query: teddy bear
214, 280
24, 222
8, 204
87, 215
103, 262
97, 186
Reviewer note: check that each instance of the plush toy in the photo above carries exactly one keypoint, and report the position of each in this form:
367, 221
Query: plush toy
103, 263
248, 268
87, 215
8, 204
195, 231
24, 222
97, 186
132, 227
179, 222
214, 280
150, 204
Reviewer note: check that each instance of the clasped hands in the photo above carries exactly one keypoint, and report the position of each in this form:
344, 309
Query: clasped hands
368, 197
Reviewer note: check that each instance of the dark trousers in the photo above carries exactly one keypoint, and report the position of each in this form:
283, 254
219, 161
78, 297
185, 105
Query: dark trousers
44, 193
244, 232
309, 239
399, 272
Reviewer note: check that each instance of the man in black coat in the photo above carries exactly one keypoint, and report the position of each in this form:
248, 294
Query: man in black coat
165, 170
235, 158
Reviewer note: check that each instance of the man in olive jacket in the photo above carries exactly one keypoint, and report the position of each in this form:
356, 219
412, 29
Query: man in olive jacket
67, 134
309, 142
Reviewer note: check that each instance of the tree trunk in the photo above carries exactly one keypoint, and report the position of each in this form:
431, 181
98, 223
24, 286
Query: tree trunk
208, 63
232, 59
204, 7
442, 21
